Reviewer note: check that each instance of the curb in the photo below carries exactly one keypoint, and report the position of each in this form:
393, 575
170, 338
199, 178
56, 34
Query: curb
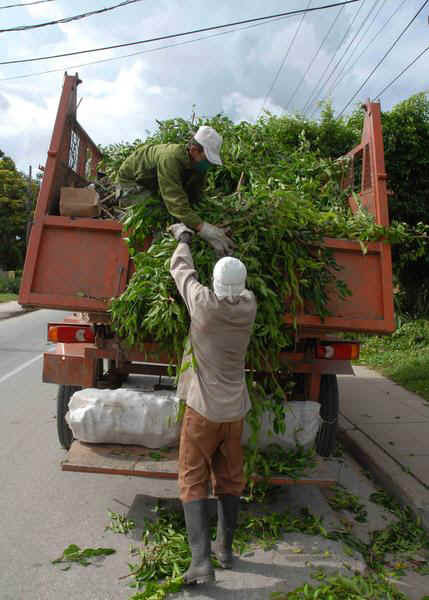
16, 313
389, 473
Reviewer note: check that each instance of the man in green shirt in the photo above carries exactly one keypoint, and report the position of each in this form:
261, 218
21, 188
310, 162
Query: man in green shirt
177, 174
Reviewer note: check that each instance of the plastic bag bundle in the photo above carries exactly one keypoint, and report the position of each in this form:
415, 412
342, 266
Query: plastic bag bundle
125, 416
302, 422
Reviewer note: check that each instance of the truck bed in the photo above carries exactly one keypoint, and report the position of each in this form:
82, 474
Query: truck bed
79, 264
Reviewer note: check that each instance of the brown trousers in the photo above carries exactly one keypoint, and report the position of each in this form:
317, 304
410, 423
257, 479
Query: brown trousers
209, 451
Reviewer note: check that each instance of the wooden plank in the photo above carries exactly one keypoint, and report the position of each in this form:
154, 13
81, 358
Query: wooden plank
115, 459
137, 461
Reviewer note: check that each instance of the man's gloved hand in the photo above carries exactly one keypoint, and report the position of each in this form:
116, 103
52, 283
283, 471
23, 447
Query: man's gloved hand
181, 233
217, 238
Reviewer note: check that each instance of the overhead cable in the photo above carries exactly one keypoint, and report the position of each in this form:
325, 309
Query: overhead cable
324, 84
282, 64
358, 31
26, 4
69, 19
343, 69
112, 58
382, 28
401, 73
384, 56
316, 87
175, 35
312, 61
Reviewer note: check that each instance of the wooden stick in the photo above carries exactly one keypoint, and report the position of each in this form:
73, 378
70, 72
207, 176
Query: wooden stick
104, 209
108, 197
240, 181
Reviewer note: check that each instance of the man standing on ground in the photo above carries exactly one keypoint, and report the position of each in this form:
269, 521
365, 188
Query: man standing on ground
176, 174
216, 398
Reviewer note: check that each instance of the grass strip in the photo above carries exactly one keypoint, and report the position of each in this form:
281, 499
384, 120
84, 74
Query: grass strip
402, 357
8, 297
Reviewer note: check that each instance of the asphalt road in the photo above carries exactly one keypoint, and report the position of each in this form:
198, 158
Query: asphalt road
43, 509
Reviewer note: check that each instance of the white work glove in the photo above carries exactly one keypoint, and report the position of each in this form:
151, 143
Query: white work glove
181, 233
217, 238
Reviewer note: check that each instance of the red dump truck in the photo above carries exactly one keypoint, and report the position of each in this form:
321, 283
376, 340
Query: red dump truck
78, 264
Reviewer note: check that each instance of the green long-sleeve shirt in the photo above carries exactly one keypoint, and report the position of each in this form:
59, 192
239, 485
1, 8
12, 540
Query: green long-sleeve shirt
166, 169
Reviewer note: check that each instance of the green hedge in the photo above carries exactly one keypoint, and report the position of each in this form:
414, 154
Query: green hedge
9, 286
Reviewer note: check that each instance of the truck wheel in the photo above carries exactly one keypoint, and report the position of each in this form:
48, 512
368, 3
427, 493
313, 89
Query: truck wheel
65, 435
329, 407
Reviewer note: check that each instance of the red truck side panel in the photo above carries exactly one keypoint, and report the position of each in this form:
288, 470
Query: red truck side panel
78, 264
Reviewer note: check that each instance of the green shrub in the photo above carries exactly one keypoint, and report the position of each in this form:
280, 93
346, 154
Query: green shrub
9, 286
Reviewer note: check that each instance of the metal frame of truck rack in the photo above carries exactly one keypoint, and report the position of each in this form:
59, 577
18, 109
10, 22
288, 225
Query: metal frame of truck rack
78, 264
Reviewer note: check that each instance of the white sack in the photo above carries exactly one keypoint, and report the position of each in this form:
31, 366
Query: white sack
125, 416
302, 421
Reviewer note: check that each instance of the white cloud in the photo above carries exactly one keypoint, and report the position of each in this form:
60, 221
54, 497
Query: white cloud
231, 73
124, 108
49, 11
244, 108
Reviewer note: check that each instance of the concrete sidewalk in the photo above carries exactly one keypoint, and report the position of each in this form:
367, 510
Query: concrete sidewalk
387, 429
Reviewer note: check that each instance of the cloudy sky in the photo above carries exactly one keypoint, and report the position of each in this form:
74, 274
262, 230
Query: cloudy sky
281, 65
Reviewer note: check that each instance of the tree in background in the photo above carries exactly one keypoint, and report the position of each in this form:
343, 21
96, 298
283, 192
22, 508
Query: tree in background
406, 145
406, 150
13, 214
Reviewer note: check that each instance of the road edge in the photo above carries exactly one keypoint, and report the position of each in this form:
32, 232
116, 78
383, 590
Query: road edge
386, 471
16, 313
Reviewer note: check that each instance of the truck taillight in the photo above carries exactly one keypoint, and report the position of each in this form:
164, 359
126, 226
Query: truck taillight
338, 350
71, 333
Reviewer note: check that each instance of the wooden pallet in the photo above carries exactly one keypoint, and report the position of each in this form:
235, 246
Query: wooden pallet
144, 462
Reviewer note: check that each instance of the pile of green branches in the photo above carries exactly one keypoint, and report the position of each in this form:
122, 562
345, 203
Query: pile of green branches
280, 202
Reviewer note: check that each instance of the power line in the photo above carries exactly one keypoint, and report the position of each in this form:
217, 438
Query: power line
26, 4
310, 64
175, 35
103, 60
358, 31
69, 19
384, 57
342, 72
319, 93
397, 9
402, 72
316, 87
282, 64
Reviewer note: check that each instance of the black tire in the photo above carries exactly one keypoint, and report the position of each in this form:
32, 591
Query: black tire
65, 435
329, 407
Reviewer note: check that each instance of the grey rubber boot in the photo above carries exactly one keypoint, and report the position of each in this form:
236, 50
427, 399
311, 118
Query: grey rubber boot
197, 527
227, 515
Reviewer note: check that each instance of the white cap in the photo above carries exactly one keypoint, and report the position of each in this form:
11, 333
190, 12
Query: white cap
229, 277
211, 141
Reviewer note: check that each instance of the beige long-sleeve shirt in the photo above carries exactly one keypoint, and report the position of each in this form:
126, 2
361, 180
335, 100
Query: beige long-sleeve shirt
219, 335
